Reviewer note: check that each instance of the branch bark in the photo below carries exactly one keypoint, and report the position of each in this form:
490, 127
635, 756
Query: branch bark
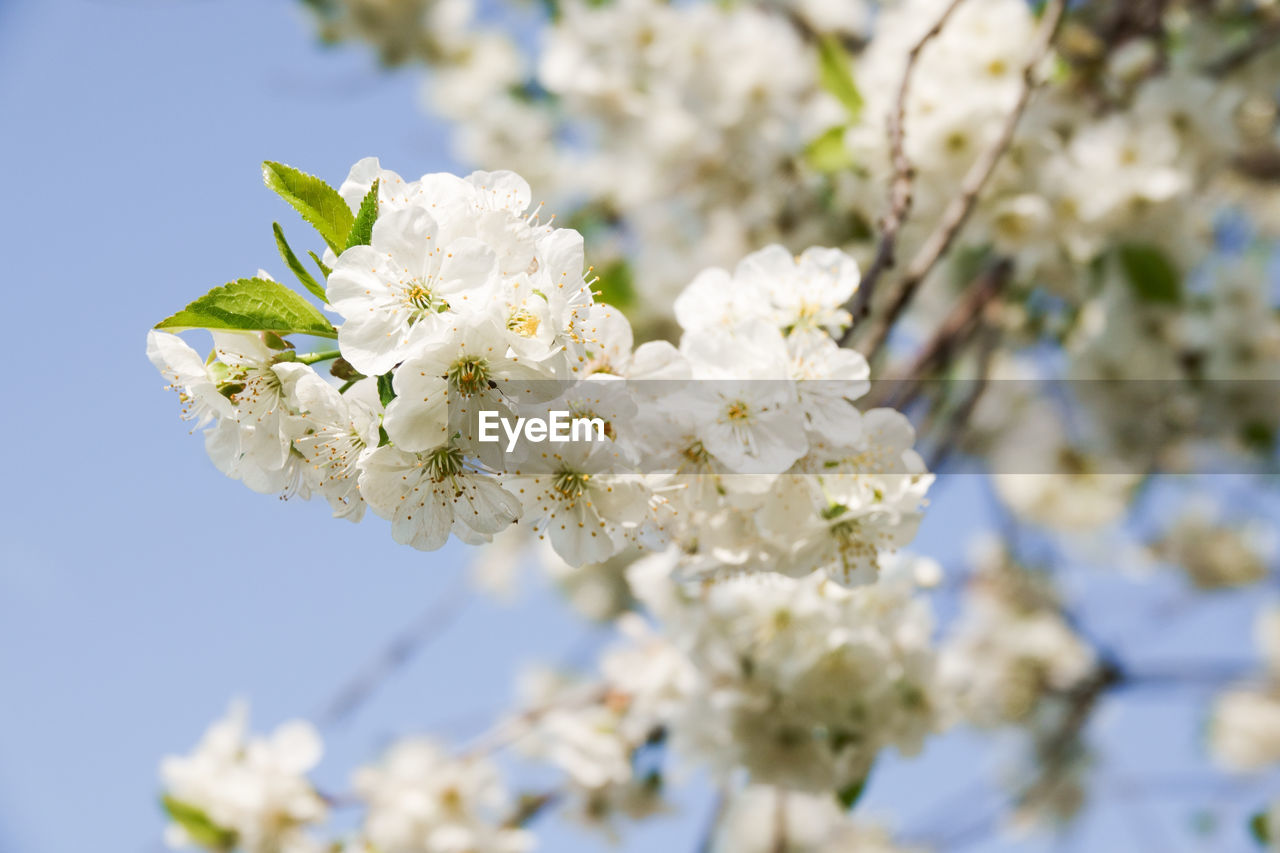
397, 654
958, 211
900, 184
951, 333
1264, 38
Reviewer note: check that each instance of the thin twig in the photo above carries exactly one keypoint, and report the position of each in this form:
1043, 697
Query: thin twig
958, 423
951, 333
1266, 37
402, 649
511, 729
1197, 674
1056, 753
900, 184
957, 212
779, 822
712, 827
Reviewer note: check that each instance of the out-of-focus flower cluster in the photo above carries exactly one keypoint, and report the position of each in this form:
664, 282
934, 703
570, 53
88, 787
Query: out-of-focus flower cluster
1012, 659
1244, 731
801, 683
1011, 649
758, 816
235, 792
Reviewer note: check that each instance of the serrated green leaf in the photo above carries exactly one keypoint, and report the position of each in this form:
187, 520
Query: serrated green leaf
295, 266
386, 393
1151, 274
835, 71
324, 268
616, 285
828, 153
362, 228
254, 305
318, 202
203, 831
1260, 828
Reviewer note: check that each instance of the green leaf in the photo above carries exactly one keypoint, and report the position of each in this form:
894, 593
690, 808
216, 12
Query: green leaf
1151, 274
318, 202
295, 265
324, 270
616, 285
254, 305
1260, 828
386, 393
203, 831
835, 71
828, 153
848, 797
969, 263
275, 342
1258, 436
362, 228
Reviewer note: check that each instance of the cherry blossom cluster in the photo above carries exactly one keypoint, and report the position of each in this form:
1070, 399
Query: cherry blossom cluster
239, 791
751, 674
742, 444
1011, 650
813, 824
737, 452
1244, 730
1213, 551
236, 791
741, 522
800, 683
688, 152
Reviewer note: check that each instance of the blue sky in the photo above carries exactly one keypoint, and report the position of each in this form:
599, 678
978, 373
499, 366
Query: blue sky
139, 589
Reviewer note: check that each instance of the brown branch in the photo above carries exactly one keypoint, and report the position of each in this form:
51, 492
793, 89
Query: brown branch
718, 809
1055, 754
402, 649
780, 844
1081, 703
958, 211
900, 184
1131, 19
1266, 37
1261, 164
951, 333
510, 730
958, 423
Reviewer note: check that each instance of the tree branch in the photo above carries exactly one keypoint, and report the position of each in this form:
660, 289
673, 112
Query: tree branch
900, 184
954, 329
958, 423
779, 822
718, 808
957, 212
1264, 38
402, 649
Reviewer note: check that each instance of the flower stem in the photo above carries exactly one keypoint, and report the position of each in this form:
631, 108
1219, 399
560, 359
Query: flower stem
323, 355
